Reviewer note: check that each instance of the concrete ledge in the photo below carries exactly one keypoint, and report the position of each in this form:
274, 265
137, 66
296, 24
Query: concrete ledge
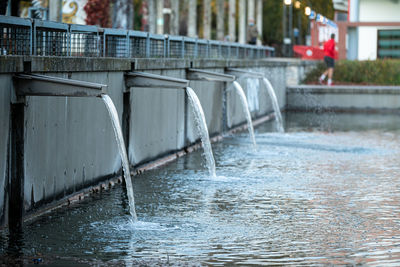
11, 64
14, 64
340, 98
343, 89
75, 64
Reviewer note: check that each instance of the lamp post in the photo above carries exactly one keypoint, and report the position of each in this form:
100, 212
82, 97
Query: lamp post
297, 5
307, 12
287, 39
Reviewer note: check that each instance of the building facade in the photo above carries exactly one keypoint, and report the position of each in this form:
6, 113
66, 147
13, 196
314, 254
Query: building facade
372, 29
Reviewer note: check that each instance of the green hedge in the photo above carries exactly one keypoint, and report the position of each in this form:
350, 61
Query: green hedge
377, 72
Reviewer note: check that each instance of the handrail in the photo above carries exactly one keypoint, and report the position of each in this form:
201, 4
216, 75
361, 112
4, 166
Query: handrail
92, 41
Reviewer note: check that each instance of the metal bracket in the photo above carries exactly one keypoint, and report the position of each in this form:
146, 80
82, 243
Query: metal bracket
197, 74
42, 85
246, 73
142, 79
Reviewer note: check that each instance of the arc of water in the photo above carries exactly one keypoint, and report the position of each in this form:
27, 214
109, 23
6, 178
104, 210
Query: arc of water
112, 111
246, 110
275, 105
203, 130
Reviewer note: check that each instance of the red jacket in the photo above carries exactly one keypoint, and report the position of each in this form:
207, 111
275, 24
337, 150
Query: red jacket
329, 48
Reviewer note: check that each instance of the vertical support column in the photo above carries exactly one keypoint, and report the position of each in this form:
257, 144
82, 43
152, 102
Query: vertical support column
16, 197
55, 10
174, 23
220, 19
284, 31
242, 21
192, 21
152, 16
259, 21
232, 20
207, 19
160, 17
290, 46
126, 117
250, 11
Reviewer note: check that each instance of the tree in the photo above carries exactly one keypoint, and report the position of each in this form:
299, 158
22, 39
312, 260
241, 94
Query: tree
272, 18
98, 13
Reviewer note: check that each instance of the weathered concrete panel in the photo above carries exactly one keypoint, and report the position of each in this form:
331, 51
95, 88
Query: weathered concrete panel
276, 75
70, 141
157, 124
5, 98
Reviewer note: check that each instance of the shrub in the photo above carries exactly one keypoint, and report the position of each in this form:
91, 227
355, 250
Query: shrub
376, 72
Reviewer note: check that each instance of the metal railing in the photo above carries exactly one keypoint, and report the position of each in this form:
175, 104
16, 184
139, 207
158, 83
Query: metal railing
19, 36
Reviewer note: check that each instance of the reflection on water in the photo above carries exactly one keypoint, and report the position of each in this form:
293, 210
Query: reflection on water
307, 197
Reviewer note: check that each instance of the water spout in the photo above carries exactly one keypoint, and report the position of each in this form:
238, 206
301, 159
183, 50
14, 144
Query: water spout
122, 151
275, 105
203, 130
246, 110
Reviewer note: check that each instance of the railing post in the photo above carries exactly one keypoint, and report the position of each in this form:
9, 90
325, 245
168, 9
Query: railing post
31, 38
196, 48
168, 46
183, 48
165, 46
148, 45
128, 53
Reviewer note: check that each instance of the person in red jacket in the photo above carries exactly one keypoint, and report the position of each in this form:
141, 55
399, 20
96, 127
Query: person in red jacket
329, 51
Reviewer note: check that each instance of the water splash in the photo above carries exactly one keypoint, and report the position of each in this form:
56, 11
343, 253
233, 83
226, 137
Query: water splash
122, 152
245, 106
203, 130
275, 105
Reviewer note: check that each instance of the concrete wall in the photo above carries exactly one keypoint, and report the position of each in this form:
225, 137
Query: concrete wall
70, 143
157, 124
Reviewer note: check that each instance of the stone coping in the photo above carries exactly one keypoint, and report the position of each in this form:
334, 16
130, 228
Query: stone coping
12, 64
344, 89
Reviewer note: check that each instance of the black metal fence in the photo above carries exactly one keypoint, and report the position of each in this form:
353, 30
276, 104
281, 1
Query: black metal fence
20, 36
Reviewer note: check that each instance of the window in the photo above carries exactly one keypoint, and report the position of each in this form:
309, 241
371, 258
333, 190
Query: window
389, 43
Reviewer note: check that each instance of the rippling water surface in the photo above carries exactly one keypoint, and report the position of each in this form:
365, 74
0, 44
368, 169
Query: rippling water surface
325, 192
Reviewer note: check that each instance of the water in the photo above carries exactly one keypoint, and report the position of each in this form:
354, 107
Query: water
313, 196
202, 128
246, 111
275, 105
122, 152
